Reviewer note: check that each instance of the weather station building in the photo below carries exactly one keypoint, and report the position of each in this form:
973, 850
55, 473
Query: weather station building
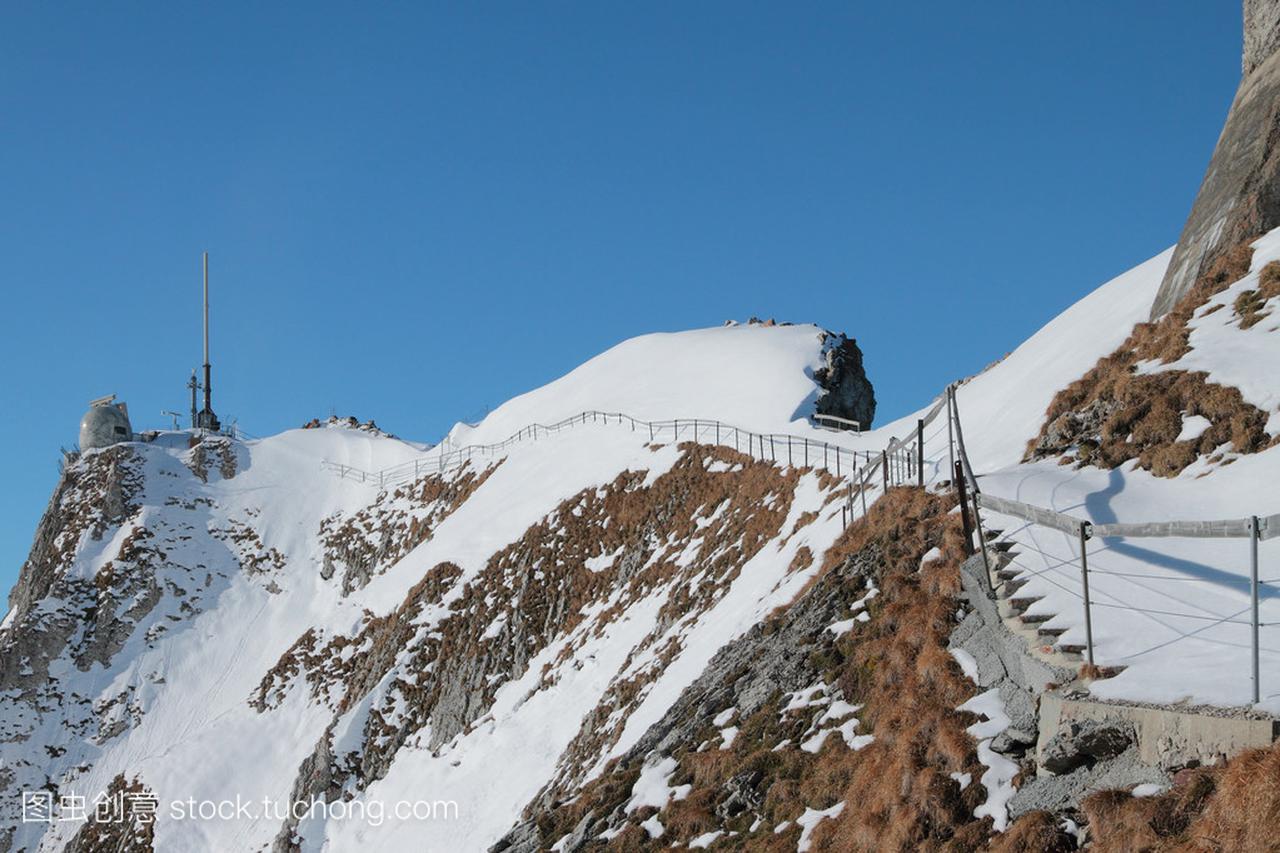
106, 423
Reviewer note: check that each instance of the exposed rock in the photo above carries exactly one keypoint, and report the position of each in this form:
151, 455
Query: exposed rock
741, 794
1239, 198
1261, 33
1081, 430
846, 391
1086, 742
1063, 793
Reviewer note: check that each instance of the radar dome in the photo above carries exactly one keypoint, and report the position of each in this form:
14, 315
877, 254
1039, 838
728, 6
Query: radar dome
105, 423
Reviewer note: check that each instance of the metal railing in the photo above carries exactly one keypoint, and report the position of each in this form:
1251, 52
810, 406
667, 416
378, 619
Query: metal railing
804, 451
1252, 528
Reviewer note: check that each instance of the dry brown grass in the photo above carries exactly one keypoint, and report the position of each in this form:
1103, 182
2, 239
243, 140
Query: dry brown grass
1232, 807
1250, 305
897, 789
1113, 414
1034, 832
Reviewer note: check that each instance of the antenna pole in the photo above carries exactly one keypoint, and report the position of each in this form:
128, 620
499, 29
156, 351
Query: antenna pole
207, 391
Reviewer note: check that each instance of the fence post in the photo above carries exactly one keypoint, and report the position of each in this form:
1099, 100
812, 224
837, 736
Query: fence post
717, 432
884, 469
951, 441
855, 464
695, 430
773, 453
963, 498
1084, 581
920, 453
1253, 584
862, 490
806, 453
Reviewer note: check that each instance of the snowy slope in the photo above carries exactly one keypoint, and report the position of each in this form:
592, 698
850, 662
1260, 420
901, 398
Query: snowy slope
256, 627
1194, 647
188, 674
755, 376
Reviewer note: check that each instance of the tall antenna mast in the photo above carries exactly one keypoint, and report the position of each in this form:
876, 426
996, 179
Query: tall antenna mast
207, 419
207, 390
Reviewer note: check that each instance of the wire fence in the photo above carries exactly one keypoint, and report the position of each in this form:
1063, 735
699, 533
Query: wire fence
898, 463
1254, 529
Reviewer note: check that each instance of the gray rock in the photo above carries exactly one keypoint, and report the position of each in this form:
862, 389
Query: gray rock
1085, 743
846, 391
1239, 198
1064, 793
741, 794
1261, 33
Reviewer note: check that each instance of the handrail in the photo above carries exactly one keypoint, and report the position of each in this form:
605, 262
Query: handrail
811, 452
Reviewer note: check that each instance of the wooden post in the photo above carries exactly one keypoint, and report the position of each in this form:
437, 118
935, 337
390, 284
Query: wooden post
962, 497
920, 453
1084, 580
951, 441
884, 467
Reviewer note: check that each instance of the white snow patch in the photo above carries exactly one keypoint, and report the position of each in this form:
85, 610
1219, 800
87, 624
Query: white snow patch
810, 819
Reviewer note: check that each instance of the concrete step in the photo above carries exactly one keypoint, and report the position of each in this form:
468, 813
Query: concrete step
1019, 605
1011, 586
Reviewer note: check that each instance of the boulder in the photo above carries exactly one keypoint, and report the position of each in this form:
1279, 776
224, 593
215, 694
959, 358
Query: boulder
1085, 743
845, 390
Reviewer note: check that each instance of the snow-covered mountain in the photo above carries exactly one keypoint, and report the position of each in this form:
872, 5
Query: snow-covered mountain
583, 636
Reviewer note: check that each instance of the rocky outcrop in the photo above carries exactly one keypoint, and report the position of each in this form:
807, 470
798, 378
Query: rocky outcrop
1239, 198
846, 391
1261, 33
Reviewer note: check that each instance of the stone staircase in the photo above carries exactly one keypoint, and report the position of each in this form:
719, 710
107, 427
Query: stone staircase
1009, 579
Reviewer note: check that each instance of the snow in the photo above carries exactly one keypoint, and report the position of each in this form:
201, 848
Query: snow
810, 819
1148, 789
761, 376
651, 789
728, 736
705, 840
724, 717
1193, 426
967, 664
1000, 772
1196, 650
1242, 358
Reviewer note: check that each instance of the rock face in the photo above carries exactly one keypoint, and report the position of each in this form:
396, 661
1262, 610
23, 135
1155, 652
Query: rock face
1261, 33
847, 393
1239, 198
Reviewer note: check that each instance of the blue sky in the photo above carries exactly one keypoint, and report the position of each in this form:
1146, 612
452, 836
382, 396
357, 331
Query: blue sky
418, 211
